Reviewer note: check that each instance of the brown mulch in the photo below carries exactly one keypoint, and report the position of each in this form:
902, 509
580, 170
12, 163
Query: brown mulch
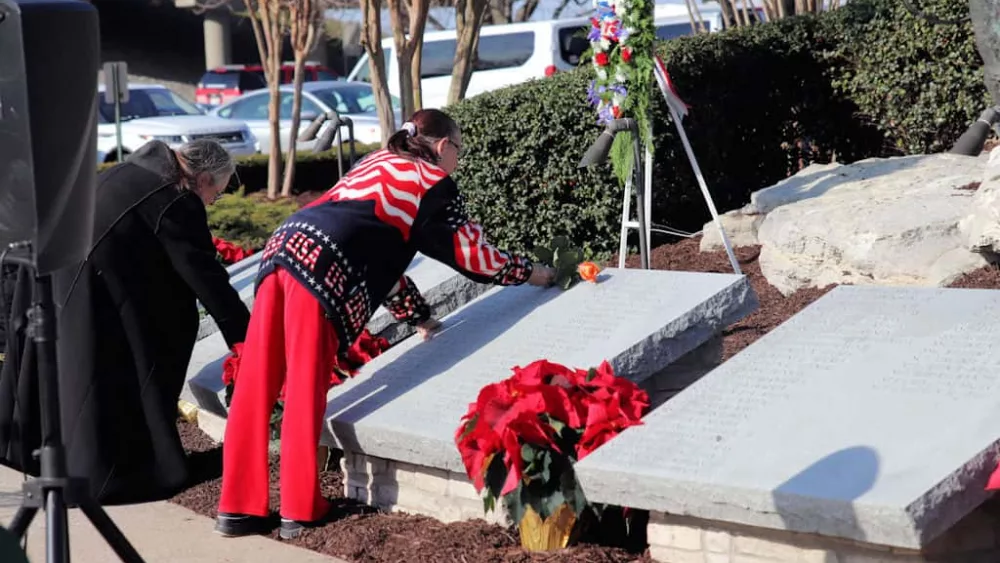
361, 535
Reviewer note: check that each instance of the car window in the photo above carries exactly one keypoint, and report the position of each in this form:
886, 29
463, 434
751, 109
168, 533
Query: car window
285, 106
674, 30
248, 108
149, 102
351, 98
364, 72
438, 58
222, 80
573, 43
324, 75
506, 50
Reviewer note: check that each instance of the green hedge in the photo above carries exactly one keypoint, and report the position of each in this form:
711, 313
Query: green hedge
754, 92
248, 220
922, 84
313, 171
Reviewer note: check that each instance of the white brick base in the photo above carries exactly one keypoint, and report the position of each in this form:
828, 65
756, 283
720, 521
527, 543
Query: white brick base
682, 539
415, 489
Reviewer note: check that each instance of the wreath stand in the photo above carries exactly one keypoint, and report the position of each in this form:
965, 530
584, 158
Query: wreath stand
677, 110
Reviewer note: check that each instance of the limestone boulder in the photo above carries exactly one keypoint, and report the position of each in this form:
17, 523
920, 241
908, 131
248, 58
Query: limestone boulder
880, 221
981, 228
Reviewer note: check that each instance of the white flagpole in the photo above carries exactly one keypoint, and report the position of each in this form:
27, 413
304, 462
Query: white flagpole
704, 189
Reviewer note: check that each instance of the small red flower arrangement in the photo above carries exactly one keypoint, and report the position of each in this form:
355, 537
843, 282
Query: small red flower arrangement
230, 253
521, 437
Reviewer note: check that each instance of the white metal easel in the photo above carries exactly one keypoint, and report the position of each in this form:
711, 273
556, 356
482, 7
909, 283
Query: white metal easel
673, 101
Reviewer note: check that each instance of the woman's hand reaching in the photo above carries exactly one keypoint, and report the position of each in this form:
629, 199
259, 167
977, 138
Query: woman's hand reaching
542, 276
427, 328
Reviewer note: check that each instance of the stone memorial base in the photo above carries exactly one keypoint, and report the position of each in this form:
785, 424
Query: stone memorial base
398, 417
444, 289
684, 539
396, 486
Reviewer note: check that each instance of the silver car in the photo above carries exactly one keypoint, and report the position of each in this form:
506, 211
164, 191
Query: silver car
355, 100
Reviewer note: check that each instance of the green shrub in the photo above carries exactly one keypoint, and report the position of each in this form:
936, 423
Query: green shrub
754, 93
922, 84
313, 171
248, 220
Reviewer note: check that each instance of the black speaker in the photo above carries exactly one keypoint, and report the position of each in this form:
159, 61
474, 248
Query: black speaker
48, 161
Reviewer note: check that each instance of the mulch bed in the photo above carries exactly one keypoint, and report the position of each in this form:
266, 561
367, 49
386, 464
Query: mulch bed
361, 535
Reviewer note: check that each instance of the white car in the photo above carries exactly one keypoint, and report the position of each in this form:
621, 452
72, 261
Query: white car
156, 113
515, 53
354, 100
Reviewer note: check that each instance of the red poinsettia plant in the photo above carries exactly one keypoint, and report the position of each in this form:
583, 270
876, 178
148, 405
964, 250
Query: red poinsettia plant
521, 437
361, 352
230, 253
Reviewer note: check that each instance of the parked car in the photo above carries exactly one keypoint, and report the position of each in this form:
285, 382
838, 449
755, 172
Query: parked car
355, 100
156, 113
220, 85
508, 54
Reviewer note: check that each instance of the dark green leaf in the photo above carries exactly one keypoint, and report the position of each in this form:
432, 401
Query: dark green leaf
544, 255
496, 474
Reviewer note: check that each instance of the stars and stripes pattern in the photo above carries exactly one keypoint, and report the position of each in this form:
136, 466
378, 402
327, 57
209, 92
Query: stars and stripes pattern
473, 253
396, 185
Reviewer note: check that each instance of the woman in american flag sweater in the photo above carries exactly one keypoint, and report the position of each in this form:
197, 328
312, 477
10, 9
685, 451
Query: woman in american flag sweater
322, 274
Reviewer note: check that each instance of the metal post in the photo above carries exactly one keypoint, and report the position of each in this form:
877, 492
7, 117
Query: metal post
704, 190
118, 113
640, 186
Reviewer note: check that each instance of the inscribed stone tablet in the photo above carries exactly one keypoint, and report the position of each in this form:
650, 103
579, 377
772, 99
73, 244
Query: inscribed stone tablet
870, 415
443, 288
407, 403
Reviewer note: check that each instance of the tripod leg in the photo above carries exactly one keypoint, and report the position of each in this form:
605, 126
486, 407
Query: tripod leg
22, 519
57, 528
111, 534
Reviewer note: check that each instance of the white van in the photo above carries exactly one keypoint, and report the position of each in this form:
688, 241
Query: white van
512, 54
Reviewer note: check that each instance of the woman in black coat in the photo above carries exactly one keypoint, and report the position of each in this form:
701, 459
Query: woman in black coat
128, 320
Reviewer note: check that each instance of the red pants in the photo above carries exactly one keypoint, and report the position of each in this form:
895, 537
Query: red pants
288, 341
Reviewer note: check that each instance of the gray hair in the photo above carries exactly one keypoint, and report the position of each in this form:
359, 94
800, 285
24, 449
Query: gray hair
207, 156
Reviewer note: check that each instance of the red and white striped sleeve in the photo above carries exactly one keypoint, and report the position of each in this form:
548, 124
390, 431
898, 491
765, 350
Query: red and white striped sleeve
450, 237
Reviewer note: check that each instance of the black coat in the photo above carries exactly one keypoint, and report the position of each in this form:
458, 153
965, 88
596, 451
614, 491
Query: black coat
128, 321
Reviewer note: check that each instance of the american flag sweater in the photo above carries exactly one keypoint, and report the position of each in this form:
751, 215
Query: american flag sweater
351, 247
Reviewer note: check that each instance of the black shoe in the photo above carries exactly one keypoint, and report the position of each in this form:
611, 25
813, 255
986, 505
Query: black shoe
237, 525
290, 529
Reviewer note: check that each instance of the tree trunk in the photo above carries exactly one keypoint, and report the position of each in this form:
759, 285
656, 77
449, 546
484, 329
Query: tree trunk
404, 54
500, 11
418, 22
300, 62
270, 18
468, 22
371, 40
416, 74
527, 9
986, 24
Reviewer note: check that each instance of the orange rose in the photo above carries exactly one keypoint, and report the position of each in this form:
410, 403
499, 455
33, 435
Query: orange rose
588, 271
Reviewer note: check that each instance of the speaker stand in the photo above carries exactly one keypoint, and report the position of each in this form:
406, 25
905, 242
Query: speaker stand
54, 490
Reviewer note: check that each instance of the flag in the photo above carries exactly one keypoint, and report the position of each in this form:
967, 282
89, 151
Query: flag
667, 87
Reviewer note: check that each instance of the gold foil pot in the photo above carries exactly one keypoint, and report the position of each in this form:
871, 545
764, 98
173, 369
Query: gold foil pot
188, 412
552, 534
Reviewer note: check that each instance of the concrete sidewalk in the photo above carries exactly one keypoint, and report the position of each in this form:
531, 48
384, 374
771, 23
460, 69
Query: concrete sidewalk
160, 532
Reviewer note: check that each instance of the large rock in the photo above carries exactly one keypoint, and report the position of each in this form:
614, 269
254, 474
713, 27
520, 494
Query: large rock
981, 228
880, 221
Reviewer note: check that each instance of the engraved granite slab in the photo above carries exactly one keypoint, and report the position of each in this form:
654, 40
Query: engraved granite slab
406, 404
871, 415
443, 288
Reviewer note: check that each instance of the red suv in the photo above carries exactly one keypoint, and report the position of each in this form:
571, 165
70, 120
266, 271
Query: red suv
224, 83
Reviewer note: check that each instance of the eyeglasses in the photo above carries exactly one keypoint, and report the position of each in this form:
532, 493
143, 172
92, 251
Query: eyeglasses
458, 148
